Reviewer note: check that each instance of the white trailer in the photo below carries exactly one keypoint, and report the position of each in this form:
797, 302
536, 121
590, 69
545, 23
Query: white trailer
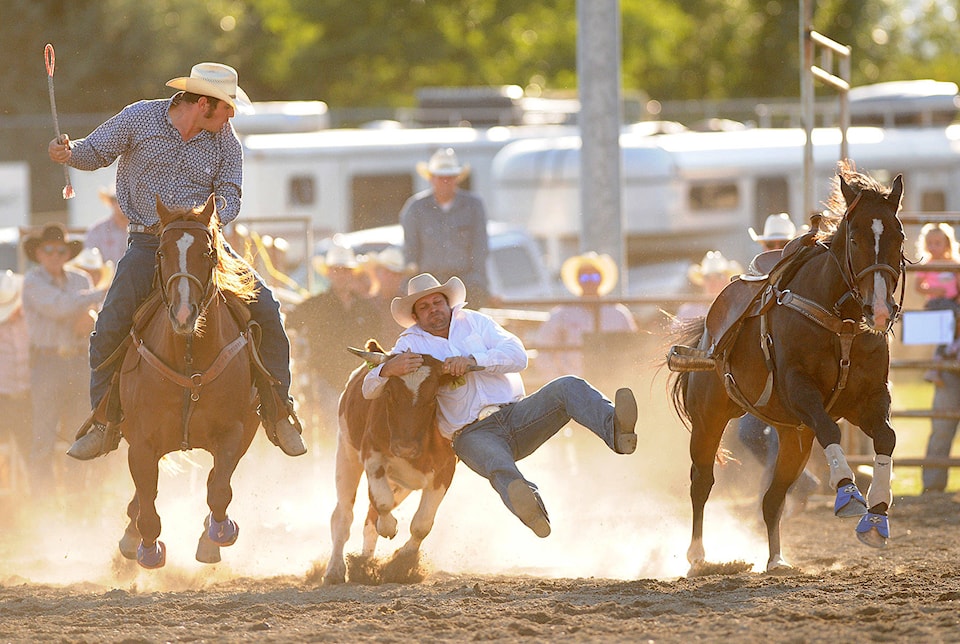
689, 192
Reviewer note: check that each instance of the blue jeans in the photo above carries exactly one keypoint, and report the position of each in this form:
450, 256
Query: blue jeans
764, 443
133, 283
942, 430
492, 446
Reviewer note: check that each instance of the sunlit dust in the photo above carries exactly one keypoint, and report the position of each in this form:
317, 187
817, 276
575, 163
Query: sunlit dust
612, 516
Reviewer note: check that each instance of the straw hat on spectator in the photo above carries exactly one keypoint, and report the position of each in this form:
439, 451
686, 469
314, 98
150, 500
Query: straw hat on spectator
713, 263
391, 258
777, 227
11, 290
602, 264
91, 261
443, 163
337, 257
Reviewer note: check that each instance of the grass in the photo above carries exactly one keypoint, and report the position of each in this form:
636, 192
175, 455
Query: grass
910, 391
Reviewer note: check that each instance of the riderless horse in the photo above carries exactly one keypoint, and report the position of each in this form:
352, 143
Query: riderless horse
801, 346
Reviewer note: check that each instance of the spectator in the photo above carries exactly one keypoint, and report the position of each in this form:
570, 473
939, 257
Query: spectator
588, 276
937, 243
445, 227
109, 234
389, 274
57, 301
327, 323
16, 413
711, 275
778, 229
90, 261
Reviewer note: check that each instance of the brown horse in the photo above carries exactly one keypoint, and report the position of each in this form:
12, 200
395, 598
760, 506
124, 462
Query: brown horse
813, 348
186, 380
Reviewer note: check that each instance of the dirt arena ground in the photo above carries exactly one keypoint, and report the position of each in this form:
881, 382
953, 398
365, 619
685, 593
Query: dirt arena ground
613, 570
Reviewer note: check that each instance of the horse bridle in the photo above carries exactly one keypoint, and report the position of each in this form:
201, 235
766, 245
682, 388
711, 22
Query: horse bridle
852, 279
208, 291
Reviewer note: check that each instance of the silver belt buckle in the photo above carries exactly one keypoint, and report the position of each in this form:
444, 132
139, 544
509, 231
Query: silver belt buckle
489, 410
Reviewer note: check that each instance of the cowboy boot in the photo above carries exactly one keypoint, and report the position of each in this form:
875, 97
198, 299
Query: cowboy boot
279, 419
95, 439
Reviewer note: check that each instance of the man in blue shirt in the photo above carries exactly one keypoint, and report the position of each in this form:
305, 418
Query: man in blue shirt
182, 150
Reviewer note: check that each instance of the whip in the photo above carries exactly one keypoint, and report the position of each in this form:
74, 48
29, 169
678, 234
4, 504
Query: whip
49, 58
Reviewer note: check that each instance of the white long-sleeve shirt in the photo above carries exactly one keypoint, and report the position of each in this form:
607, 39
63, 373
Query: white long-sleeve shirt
471, 334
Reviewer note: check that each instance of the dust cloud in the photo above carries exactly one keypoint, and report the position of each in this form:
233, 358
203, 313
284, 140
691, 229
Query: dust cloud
612, 516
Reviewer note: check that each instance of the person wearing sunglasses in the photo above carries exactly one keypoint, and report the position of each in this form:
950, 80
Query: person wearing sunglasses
588, 276
59, 304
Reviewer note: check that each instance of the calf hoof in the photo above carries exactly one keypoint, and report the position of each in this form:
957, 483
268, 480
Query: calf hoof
335, 575
207, 551
874, 530
152, 557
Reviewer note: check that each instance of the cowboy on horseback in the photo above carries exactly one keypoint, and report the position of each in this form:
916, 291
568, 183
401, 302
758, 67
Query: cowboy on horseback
180, 150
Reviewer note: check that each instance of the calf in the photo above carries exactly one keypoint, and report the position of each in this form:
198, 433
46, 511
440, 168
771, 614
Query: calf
395, 440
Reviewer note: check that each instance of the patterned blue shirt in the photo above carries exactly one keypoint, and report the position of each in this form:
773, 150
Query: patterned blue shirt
155, 160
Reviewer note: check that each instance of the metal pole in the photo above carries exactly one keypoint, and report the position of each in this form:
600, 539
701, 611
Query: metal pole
807, 115
598, 81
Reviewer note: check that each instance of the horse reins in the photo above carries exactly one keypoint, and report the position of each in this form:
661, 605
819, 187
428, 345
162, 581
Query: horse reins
191, 381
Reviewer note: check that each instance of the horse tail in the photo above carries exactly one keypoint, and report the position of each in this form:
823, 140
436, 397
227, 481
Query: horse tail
687, 333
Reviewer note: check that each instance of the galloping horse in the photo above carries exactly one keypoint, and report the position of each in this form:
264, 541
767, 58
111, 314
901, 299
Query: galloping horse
186, 380
811, 348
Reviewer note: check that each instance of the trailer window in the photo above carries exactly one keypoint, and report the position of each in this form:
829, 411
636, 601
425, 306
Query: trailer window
933, 201
378, 198
714, 196
302, 191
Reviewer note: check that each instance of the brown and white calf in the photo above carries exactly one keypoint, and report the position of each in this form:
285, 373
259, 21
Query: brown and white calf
394, 440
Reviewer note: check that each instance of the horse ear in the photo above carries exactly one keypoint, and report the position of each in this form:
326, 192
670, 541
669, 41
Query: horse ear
209, 209
896, 192
849, 194
162, 211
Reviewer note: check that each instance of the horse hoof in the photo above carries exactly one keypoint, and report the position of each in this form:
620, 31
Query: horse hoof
207, 551
129, 543
152, 557
849, 503
778, 565
223, 533
874, 530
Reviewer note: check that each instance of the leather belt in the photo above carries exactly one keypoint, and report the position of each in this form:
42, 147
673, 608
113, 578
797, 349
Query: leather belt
140, 228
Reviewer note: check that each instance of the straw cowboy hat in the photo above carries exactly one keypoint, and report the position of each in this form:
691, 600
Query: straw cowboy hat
91, 260
337, 257
391, 258
213, 79
603, 264
11, 288
51, 233
713, 263
443, 163
776, 228
423, 285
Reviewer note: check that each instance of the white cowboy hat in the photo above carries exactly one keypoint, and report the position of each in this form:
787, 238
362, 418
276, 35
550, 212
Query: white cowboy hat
11, 288
213, 79
423, 285
713, 263
443, 163
391, 258
603, 264
337, 257
776, 228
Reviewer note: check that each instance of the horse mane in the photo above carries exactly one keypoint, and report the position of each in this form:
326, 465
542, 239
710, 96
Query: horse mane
231, 274
836, 206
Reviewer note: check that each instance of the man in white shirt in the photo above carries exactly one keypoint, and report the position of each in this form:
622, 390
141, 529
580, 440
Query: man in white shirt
486, 414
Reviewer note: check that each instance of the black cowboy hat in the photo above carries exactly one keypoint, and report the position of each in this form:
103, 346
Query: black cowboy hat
51, 233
